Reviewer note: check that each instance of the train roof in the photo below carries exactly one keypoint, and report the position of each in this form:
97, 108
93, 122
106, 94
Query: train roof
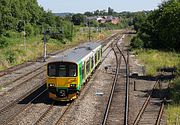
78, 53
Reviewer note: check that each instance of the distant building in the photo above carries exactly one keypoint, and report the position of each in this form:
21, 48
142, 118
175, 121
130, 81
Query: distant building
115, 20
105, 19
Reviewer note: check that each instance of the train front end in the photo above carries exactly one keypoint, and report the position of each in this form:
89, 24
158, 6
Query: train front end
62, 81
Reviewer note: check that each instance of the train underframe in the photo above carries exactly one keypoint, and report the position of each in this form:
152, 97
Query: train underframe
65, 94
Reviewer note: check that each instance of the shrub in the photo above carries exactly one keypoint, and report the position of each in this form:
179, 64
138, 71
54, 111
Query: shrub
29, 29
175, 93
10, 56
12, 34
136, 43
3, 42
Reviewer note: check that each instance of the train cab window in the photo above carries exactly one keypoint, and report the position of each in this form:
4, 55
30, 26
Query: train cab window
62, 70
72, 70
52, 70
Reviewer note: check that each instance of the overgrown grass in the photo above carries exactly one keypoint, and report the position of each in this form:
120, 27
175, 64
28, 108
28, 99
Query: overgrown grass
154, 59
173, 109
15, 52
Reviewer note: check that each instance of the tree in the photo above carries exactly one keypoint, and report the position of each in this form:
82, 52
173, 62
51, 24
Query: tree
110, 11
88, 14
161, 28
78, 19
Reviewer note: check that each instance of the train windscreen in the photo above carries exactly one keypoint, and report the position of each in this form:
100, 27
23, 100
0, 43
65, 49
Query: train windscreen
62, 69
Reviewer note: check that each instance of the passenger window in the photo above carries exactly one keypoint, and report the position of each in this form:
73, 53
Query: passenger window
96, 58
87, 66
92, 62
83, 73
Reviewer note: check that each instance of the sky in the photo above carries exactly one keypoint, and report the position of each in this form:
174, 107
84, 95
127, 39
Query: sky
81, 6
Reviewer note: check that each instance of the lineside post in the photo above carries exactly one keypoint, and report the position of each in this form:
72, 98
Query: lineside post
45, 49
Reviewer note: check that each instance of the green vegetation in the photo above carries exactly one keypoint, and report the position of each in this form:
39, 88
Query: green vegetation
173, 109
160, 28
154, 59
26, 17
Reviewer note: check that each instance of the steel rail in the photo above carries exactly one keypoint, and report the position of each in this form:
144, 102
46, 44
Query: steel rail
22, 97
8, 83
25, 81
14, 68
138, 117
45, 113
127, 85
23, 108
158, 120
112, 89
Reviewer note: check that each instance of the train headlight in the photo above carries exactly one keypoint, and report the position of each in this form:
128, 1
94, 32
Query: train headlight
51, 84
73, 85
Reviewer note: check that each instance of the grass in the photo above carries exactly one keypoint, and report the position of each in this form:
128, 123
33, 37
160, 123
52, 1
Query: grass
154, 59
15, 52
173, 109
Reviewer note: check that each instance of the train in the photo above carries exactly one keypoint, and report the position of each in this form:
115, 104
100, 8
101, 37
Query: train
67, 74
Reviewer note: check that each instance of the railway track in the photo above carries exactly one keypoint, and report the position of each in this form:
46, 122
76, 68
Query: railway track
10, 111
45, 113
22, 80
151, 111
114, 113
14, 68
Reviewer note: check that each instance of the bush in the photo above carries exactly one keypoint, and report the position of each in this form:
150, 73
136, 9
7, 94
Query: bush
36, 30
29, 29
10, 56
12, 34
175, 93
178, 69
136, 43
3, 42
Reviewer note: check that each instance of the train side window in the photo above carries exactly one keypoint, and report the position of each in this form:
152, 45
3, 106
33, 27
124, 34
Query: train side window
87, 66
83, 72
92, 62
95, 58
99, 54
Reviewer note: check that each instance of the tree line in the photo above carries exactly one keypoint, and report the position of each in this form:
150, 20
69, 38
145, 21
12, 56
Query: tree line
158, 29
17, 16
